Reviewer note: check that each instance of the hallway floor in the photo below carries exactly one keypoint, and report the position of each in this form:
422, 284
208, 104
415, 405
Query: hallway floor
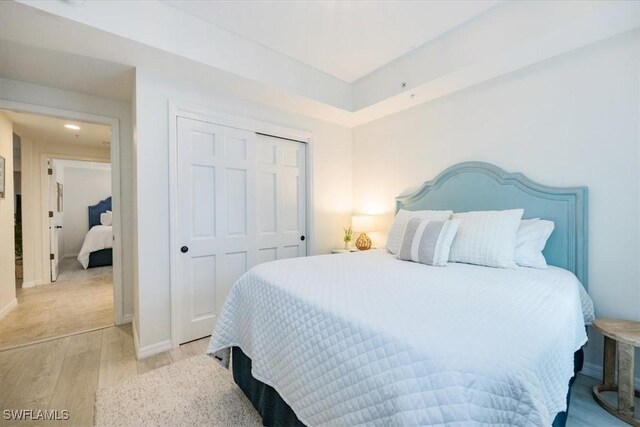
79, 301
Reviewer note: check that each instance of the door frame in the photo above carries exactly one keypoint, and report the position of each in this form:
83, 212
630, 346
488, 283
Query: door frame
196, 112
116, 189
44, 157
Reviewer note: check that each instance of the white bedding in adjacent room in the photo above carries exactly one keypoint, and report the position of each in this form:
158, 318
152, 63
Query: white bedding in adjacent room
365, 338
99, 237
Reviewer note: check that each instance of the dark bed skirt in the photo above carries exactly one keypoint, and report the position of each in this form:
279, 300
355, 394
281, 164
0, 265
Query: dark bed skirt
101, 258
275, 411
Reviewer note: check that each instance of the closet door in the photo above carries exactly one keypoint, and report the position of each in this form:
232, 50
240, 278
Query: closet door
241, 202
281, 199
216, 220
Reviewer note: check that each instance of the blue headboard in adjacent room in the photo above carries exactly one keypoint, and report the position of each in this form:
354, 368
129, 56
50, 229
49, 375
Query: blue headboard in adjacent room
96, 210
474, 186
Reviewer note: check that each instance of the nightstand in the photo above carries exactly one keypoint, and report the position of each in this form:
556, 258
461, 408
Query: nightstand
625, 335
343, 251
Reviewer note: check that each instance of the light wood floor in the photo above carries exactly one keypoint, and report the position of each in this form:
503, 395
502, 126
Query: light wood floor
65, 373
81, 300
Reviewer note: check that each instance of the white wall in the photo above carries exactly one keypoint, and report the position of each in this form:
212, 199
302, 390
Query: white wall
571, 120
332, 185
7, 241
35, 255
83, 187
15, 91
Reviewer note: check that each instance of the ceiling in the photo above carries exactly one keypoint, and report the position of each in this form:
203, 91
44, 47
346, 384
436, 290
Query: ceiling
52, 130
296, 56
346, 39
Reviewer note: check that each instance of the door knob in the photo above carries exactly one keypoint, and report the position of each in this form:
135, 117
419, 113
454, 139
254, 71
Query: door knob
184, 249
302, 238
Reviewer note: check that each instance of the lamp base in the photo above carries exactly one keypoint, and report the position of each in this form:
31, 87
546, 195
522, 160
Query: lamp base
364, 242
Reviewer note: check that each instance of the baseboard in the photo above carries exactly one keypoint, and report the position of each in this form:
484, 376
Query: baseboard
39, 282
592, 370
154, 349
127, 318
136, 346
595, 371
29, 284
149, 350
75, 255
7, 309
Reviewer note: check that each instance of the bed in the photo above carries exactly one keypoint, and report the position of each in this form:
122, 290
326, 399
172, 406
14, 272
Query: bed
366, 339
97, 246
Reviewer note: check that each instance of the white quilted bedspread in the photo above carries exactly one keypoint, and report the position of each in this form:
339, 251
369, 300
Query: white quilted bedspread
366, 339
99, 237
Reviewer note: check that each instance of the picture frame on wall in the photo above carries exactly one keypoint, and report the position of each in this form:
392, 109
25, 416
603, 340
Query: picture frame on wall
60, 196
2, 177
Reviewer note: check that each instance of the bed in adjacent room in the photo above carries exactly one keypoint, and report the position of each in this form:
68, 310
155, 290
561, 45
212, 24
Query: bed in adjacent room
370, 339
97, 246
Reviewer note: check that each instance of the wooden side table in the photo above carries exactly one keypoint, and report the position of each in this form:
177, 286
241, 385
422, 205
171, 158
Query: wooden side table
626, 335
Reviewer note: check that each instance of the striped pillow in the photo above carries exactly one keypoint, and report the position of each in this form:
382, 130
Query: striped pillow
400, 223
428, 242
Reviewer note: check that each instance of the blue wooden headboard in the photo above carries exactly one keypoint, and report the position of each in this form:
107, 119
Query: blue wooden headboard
472, 186
96, 210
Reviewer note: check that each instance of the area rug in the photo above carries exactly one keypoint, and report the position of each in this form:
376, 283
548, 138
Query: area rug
193, 392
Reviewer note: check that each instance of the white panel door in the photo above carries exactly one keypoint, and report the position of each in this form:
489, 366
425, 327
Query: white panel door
54, 226
281, 199
241, 202
216, 224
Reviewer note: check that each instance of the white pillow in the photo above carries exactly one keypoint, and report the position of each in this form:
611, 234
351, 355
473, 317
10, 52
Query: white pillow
486, 238
402, 218
428, 242
531, 239
106, 218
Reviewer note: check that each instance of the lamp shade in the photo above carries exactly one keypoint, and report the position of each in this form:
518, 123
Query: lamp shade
362, 223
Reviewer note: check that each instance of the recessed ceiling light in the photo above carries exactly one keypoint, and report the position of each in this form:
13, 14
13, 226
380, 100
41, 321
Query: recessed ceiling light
72, 127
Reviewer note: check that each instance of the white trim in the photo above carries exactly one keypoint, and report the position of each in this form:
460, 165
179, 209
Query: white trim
44, 203
309, 196
197, 112
72, 255
34, 283
150, 350
174, 111
127, 318
591, 370
116, 189
153, 349
30, 284
595, 371
7, 309
136, 346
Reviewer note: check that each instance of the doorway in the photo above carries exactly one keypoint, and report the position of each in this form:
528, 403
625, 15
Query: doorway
80, 219
69, 278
